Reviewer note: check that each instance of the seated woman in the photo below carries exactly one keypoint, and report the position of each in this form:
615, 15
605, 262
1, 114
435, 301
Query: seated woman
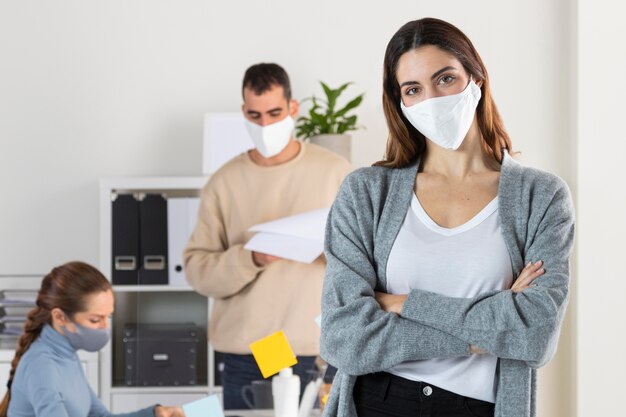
74, 304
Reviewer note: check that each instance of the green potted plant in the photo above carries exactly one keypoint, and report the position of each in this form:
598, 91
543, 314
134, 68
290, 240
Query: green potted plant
326, 124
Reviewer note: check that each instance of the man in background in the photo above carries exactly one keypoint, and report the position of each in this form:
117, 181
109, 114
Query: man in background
256, 294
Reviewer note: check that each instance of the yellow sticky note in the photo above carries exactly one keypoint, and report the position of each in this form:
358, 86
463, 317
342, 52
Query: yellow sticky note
273, 353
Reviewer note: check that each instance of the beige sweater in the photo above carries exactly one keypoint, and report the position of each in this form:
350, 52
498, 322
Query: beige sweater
252, 302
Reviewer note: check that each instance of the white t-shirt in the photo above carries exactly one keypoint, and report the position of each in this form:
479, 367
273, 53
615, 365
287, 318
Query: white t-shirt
460, 262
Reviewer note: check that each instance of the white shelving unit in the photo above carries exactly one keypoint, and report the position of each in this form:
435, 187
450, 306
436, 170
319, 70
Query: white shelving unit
150, 304
89, 360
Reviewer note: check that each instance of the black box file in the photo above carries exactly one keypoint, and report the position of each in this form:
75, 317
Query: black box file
153, 240
125, 239
161, 354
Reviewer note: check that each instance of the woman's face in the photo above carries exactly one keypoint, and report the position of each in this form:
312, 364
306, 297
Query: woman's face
428, 72
99, 310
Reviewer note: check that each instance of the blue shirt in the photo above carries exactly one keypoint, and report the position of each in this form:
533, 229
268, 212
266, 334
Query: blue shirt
49, 382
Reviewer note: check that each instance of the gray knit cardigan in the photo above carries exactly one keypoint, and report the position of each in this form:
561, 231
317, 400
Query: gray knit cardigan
537, 221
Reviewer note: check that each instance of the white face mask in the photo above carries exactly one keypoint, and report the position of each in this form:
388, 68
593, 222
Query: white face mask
445, 120
270, 140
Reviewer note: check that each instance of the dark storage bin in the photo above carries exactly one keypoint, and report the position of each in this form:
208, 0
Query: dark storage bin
161, 354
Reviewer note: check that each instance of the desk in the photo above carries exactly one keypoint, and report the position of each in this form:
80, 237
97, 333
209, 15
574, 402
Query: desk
249, 413
262, 413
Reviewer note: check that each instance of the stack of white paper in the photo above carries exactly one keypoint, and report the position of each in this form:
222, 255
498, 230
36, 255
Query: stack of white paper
206, 407
298, 238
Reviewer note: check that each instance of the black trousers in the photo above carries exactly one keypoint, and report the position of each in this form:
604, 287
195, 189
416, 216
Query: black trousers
386, 395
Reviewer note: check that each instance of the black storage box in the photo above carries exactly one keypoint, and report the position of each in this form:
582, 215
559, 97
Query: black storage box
161, 354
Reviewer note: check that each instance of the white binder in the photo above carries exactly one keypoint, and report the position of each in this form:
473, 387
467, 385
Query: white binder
182, 215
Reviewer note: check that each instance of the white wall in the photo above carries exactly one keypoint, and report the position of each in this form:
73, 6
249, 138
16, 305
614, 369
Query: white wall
601, 224
97, 89
92, 89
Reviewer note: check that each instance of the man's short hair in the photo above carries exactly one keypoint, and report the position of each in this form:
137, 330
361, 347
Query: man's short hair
263, 77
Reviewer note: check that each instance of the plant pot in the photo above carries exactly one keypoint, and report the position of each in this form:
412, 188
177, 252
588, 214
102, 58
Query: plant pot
338, 143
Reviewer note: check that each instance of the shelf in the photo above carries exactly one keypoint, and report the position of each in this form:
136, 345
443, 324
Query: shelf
8, 354
203, 389
154, 183
150, 304
150, 288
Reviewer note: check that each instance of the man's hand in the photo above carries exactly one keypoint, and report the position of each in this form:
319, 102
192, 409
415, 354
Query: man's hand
391, 303
263, 259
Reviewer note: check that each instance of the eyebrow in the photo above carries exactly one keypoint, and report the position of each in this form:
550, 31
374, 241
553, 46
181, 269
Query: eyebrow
432, 77
441, 71
254, 112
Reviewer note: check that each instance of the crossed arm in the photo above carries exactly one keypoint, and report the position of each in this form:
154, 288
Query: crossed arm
360, 336
393, 303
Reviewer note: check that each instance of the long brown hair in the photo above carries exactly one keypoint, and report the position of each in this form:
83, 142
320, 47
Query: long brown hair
66, 287
405, 143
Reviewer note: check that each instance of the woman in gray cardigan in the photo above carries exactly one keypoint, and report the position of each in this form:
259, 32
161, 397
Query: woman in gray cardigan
448, 262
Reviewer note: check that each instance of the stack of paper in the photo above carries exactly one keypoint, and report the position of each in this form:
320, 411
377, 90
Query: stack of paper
298, 238
206, 407
14, 308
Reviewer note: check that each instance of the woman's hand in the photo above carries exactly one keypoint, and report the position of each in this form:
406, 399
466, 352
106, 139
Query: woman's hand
391, 303
161, 411
527, 276
475, 350
523, 282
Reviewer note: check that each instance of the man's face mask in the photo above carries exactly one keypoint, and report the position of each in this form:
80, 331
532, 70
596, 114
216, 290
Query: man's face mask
270, 140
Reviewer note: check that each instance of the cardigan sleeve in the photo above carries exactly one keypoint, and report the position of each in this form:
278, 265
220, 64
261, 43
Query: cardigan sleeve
523, 326
358, 337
